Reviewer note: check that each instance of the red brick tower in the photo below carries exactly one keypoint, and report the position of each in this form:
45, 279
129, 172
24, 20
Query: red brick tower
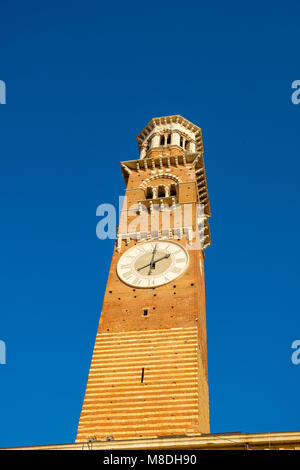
148, 375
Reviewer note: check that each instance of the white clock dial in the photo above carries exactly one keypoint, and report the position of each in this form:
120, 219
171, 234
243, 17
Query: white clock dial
152, 264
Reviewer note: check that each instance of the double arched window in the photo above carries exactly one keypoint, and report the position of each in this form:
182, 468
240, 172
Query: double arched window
165, 139
184, 143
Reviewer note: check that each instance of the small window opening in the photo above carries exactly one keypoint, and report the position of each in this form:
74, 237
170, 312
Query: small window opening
169, 139
142, 377
181, 142
145, 312
162, 140
149, 193
173, 190
161, 191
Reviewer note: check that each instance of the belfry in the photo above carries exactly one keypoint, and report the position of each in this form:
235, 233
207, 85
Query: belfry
148, 375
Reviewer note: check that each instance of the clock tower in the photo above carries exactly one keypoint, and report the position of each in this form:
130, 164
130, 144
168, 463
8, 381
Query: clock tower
148, 375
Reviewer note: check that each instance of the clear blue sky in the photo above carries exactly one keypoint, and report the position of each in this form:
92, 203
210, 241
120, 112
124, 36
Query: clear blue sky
83, 78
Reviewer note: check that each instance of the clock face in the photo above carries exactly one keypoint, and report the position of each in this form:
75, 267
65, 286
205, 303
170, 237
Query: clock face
152, 264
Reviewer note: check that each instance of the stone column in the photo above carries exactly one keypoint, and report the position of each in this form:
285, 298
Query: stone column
143, 151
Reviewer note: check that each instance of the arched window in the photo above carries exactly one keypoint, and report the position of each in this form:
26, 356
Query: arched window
181, 142
187, 145
162, 140
161, 191
173, 189
168, 138
149, 193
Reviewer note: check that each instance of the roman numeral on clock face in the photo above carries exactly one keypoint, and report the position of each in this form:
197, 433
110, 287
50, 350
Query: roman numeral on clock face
127, 274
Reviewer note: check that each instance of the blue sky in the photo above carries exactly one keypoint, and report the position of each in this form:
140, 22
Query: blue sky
82, 79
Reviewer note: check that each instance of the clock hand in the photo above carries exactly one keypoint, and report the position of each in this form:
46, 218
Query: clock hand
151, 263
154, 262
159, 259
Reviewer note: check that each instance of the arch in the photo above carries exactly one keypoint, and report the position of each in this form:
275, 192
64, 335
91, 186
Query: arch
170, 176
